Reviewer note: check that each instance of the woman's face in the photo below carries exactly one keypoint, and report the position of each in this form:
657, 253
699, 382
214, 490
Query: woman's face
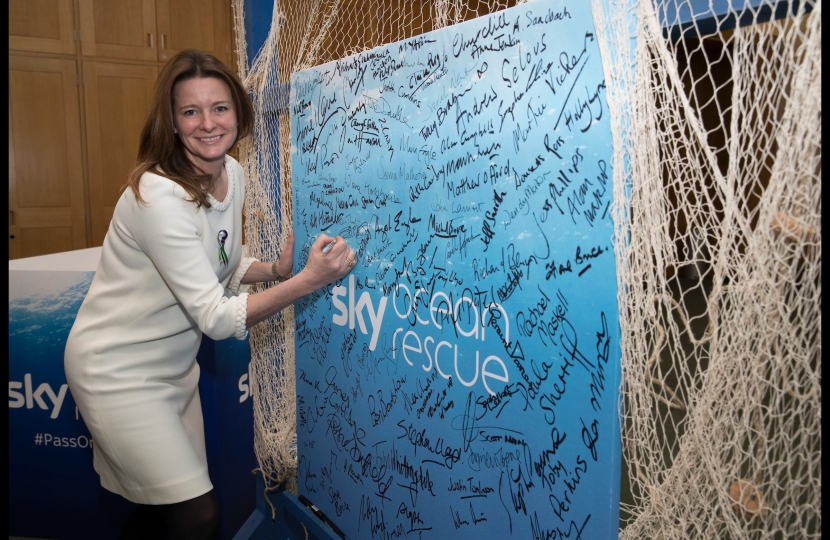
204, 116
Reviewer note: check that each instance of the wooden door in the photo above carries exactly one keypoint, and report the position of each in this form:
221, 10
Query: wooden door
42, 26
200, 24
117, 98
119, 29
46, 187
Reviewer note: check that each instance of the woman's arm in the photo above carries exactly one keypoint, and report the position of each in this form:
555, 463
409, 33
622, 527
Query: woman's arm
262, 271
259, 272
320, 270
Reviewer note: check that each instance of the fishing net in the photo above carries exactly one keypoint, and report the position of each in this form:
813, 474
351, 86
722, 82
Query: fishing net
716, 123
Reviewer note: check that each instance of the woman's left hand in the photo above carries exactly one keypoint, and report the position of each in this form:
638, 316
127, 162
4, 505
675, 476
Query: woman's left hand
285, 266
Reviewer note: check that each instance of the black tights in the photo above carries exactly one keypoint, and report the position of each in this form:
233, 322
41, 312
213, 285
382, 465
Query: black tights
196, 519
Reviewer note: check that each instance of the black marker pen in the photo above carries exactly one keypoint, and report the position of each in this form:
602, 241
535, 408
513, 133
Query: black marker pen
316, 511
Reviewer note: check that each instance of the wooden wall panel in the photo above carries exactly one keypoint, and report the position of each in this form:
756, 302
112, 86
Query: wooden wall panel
124, 29
201, 24
46, 26
41, 159
117, 98
45, 169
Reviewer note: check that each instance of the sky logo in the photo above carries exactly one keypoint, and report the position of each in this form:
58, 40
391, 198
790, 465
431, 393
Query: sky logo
354, 311
28, 398
245, 385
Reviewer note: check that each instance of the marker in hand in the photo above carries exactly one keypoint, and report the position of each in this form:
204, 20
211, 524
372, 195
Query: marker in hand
328, 247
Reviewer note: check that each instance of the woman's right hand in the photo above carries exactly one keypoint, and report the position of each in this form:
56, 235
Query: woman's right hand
320, 270
324, 268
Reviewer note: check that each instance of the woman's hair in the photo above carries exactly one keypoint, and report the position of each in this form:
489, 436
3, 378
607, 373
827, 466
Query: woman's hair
160, 148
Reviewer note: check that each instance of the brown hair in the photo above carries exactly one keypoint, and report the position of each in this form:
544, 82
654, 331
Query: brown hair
159, 146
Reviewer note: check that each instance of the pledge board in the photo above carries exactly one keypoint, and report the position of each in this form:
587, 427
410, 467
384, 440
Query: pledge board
464, 378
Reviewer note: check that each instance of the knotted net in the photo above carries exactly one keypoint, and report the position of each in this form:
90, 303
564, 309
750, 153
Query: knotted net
717, 183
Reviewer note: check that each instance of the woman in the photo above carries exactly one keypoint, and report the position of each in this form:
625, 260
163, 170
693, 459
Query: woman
172, 268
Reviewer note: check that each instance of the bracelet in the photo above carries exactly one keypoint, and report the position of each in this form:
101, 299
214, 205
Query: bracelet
277, 276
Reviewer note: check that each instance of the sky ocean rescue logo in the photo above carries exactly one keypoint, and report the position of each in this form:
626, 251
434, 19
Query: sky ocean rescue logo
426, 350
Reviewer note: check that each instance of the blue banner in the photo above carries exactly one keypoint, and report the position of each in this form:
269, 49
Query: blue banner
54, 491
465, 376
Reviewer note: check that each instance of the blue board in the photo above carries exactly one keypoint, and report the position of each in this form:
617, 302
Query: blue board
464, 378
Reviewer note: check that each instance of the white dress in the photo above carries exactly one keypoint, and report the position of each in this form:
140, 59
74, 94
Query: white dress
130, 358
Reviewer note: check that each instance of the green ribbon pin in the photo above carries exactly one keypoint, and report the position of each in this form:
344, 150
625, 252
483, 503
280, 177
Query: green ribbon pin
221, 237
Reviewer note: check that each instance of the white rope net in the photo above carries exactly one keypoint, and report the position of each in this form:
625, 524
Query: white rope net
717, 180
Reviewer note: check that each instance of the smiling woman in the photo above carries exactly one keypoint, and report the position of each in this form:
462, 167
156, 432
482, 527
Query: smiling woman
206, 124
197, 99
172, 268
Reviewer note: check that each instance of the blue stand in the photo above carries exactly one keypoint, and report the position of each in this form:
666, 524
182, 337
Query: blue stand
291, 522
54, 492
